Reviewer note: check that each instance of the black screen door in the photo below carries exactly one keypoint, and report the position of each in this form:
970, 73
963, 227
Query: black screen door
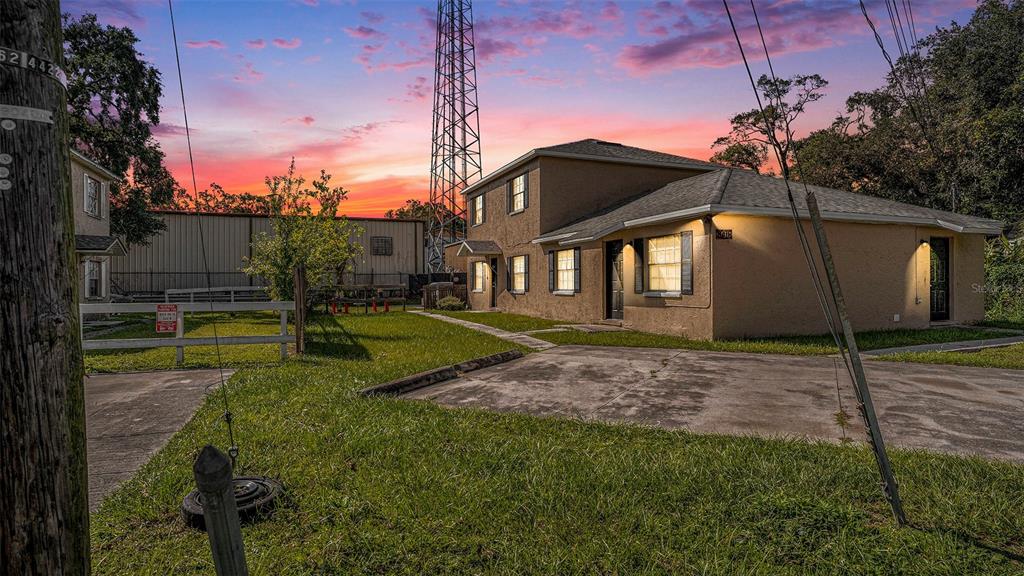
494, 282
613, 282
939, 278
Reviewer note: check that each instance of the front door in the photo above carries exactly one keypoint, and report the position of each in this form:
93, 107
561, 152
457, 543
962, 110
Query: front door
494, 282
939, 278
613, 280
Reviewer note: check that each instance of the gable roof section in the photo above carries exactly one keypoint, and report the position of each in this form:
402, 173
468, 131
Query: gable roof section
598, 151
93, 165
743, 192
91, 244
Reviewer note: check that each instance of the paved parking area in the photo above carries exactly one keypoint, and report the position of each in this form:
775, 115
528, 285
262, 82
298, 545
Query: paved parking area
936, 407
131, 416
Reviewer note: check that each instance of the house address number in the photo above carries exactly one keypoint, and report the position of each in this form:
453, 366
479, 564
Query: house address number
723, 234
20, 59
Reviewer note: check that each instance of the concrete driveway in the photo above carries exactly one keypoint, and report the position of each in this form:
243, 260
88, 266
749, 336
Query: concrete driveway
944, 408
131, 416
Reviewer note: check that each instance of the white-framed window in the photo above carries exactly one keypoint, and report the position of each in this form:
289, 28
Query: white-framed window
566, 270
518, 194
93, 196
519, 274
476, 206
479, 276
670, 264
93, 279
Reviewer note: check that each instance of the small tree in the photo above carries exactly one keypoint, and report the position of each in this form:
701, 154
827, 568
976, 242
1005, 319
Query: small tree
1004, 280
307, 231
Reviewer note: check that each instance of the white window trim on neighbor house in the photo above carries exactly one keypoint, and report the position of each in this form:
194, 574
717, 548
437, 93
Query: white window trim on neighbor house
94, 270
668, 270
518, 194
519, 274
479, 276
477, 213
93, 206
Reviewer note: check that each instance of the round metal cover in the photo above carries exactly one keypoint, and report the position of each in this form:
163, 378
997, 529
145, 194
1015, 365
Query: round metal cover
255, 497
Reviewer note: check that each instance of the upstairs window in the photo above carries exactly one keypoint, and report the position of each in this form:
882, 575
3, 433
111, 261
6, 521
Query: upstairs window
670, 264
518, 194
476, 210
381, 245
92, 196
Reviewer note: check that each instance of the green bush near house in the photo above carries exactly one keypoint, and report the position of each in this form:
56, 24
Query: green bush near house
1004, 282
391, 486
451, 303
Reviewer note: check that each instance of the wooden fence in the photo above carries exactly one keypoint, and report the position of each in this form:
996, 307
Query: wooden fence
432, 293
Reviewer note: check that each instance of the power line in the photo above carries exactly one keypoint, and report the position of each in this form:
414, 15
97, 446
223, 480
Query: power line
233, 450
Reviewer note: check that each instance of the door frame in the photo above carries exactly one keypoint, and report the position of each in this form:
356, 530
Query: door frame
947, 314
494, 282
613, 250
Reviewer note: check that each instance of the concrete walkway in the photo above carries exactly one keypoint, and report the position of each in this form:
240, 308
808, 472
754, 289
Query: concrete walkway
936, 407
950, 346
131, 416
522, 339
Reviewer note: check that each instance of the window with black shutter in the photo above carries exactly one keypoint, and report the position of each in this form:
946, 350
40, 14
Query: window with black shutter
638, 266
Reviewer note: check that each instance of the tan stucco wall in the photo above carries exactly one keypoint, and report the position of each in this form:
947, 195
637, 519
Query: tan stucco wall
86, 223
573, 188
762, 285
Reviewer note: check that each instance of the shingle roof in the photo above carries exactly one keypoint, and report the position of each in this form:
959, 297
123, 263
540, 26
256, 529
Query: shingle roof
478, 247
91, 243
599, 150
741, 191
614, 150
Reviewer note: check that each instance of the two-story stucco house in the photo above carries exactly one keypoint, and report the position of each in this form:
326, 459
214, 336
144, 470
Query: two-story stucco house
595, 231
90, 185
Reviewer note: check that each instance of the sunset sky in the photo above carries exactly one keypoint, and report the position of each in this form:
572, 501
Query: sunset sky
346, 85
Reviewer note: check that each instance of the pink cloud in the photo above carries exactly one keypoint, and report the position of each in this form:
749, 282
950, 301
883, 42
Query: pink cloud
610, 11
372, 17
257, 44
248, 74
287, 44
307, 120
364, 32
418, 89
215, 44
169, 130
487, 49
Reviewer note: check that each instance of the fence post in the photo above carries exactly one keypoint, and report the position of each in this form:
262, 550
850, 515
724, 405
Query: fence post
179, 332
284, 332
212, 472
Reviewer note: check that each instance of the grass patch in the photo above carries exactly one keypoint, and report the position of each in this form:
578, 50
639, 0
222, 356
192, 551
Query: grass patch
196, 325
387, 486
1006, 324
1011, 357
794, 345
504, 320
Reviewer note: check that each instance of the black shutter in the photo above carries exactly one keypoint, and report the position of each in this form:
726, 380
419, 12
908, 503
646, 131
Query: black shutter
508, 274
526, 191
483, 211
686, 263
472, 276
526, 279
508, 197
551, 270
576, 269
638, 266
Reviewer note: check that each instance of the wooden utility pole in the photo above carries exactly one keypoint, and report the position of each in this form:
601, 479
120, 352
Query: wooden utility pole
43, 477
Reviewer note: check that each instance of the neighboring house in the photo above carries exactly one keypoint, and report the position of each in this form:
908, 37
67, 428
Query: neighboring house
595, 231
173, 259
90, 184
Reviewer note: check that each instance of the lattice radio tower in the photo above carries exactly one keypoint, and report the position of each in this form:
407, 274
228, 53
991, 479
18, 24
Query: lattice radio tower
455, 149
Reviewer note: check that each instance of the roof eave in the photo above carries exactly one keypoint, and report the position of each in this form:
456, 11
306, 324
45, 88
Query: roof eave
92, 164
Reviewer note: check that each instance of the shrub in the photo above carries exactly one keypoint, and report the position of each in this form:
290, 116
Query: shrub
451, 303
1004, 280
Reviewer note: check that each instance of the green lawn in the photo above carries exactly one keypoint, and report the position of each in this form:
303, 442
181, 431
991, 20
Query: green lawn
196, 325
389, 486
1007, 357
505, 321
1007, 324
798, 345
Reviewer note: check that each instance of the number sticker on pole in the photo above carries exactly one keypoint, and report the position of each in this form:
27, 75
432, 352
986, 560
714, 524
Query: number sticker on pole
166, 317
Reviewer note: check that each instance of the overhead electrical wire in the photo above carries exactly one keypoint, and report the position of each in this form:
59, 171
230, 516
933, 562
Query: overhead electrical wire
228, 418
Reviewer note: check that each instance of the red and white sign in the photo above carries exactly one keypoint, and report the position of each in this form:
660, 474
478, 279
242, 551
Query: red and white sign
166, 317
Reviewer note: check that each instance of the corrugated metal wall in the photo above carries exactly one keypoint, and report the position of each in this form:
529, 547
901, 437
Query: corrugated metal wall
173, 259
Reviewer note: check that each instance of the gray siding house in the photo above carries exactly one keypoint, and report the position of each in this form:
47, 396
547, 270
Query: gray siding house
96, 248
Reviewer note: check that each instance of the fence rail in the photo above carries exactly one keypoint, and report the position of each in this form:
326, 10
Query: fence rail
180, 341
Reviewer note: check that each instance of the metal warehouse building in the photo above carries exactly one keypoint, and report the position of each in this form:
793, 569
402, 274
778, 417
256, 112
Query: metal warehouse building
392, 250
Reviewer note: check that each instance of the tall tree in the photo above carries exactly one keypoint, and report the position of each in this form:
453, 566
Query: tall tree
44, 519
753, 132
114, 101
947, 128
217, 200
414, 209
